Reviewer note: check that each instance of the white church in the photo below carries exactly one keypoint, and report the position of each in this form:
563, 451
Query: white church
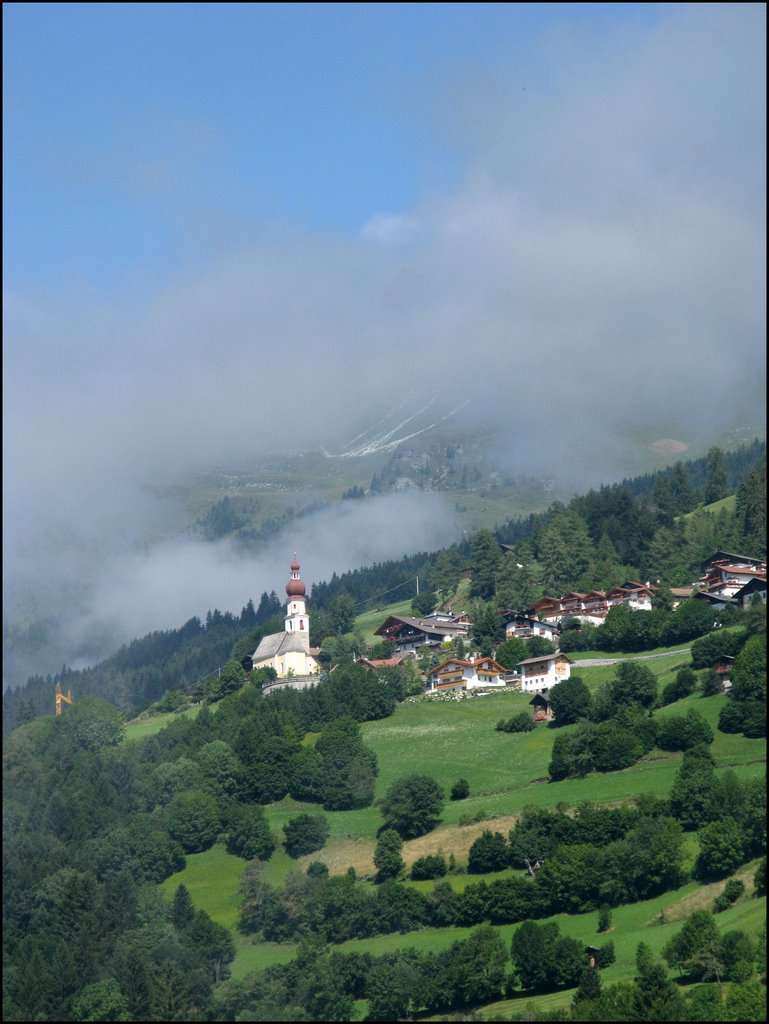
289, 652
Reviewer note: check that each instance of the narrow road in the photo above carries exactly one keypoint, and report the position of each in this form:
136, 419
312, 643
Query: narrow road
593, 662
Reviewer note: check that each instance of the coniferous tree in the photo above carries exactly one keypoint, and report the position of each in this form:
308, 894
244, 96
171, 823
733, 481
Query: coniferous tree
485, 559
589, 986
716, 482
655, 998
182, 908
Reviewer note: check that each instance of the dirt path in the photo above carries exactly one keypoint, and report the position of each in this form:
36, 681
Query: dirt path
594, 662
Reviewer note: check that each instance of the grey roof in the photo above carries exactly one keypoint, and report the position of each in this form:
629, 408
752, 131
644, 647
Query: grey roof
278, 643
546, 657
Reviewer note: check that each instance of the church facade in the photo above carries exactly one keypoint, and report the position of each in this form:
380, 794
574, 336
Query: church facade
289, 653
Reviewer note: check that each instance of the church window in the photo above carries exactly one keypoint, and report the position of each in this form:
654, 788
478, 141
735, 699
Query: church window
301, 623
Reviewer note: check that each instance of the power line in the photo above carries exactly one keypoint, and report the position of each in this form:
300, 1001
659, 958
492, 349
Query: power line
376, 597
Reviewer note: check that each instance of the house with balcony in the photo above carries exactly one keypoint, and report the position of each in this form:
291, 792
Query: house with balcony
545, 672
457, 674
637, 596
728, 575
410, 634
524, 627
593, 606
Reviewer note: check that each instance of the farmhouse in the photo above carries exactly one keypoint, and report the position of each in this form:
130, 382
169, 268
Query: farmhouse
680, 594
726, 575
409, 634
637, 596
526, 626
289, 653
456, 674
544, 672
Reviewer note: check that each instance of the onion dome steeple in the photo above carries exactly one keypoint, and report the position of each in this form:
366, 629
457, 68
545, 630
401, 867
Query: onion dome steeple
297, 620
295, 587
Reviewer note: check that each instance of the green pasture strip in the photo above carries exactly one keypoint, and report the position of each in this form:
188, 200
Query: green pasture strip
663, 669
713, 508
212, 879
369, 621
141, 728
676, 649
731, 750
253, 956
460, 882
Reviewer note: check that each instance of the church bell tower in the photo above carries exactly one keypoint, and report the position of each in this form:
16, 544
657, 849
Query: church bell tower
297, 620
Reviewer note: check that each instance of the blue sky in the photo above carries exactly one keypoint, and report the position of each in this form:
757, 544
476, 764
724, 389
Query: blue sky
235, 229
141, 138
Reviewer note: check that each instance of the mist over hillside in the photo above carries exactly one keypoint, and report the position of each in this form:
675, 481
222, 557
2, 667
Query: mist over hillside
589, 281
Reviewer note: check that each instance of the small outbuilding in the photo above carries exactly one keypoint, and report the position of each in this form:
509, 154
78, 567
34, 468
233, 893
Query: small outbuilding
543, 709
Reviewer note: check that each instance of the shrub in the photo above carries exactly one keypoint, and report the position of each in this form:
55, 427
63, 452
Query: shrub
193, 820
715, 645
305, 834
433, 865
685, 683
249, 834
521, 722
681, 732
721, 849
387, 856
605, 955
759, 879
489, 852
729, 895
413, 805
460, 790
570, 700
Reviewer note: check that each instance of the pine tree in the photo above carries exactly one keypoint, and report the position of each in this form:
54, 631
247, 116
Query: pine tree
716, 482
656, 997
485, 559
182, 909
589, 986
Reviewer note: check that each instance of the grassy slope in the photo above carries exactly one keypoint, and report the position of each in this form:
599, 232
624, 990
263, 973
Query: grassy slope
506, 773
715, 507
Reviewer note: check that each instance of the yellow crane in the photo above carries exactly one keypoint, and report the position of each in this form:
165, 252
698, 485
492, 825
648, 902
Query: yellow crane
62, 697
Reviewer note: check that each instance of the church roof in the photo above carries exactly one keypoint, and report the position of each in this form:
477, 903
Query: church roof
278, 643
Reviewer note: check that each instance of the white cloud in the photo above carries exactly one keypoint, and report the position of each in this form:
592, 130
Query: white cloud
390, 229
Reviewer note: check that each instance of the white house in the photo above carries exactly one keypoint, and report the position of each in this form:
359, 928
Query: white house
456, 674
526, 626
544, 672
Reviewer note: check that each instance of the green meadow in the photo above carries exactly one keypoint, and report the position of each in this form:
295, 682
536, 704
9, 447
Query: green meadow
449, 740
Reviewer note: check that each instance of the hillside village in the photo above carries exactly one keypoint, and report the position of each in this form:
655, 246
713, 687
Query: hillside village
728, 580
